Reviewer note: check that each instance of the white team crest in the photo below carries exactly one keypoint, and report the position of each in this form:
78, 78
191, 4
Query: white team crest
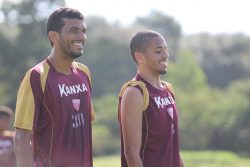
171, 112
76, 104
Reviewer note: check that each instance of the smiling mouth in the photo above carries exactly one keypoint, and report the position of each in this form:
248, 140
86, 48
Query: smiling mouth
78, 45
164, 64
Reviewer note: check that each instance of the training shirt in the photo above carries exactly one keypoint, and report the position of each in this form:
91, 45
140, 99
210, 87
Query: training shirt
57, 107
160, 141
7, 148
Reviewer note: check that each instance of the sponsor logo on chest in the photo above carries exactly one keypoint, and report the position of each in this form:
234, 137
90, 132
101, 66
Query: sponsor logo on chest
162, 102
66, 90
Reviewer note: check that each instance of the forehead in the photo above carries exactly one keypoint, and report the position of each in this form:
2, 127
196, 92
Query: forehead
157, 42
76, 23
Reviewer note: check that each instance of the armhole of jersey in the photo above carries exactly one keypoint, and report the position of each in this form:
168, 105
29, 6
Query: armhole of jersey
84, 69
143, 88
169, 87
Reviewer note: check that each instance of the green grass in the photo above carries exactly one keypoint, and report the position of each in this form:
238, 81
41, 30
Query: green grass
107, 161
191, 159
214, 159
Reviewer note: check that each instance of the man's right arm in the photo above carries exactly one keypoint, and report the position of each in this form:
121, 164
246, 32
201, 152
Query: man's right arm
131, 119
23, 148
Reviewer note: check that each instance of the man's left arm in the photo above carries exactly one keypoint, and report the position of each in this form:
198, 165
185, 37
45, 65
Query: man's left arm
181, 162
93, 115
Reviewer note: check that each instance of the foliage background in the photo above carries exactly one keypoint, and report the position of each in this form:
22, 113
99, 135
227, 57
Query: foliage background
210, 73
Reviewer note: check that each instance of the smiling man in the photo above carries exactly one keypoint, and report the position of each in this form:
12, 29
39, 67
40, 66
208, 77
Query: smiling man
147, 111
54, 109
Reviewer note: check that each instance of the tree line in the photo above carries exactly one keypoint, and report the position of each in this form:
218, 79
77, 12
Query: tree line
210, 73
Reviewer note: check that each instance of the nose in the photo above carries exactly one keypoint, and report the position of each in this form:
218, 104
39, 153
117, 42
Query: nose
82, 36
165, 54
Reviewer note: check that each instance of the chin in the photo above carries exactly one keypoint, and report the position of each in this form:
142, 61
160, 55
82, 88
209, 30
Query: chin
75, 55
163, 72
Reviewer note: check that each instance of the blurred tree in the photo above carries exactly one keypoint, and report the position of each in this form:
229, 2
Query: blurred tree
108, 56
186, 73
106, 136
164, 24
4, 86
210, 118
224, 58
107, 48
4, 95
26, 19
234, 132
191, 93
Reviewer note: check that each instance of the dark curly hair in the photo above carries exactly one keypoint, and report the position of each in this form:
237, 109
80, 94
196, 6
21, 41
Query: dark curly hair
55, 21
140, 41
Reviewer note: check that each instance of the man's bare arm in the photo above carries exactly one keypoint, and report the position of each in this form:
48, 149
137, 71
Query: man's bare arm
131, 118
93, 115
23, 148
181, 162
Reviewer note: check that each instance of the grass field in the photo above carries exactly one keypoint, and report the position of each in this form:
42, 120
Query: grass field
191, 159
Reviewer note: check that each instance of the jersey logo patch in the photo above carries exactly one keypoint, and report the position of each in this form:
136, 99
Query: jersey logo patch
171, 112
162, 102
76, 104
73, 89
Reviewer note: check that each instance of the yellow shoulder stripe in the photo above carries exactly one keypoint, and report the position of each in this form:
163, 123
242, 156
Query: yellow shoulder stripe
84, 68
44, 74
169, 85
25, 104
142, 86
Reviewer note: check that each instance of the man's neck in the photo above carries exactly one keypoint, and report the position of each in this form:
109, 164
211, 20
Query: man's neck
61, 63
154, 80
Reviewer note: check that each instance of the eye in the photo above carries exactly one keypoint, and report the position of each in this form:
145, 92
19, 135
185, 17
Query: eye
74, 31
159, 50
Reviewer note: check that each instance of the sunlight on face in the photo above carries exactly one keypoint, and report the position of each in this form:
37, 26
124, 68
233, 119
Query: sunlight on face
156, 55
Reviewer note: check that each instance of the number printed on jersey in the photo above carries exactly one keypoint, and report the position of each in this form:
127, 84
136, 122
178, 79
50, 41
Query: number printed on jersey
77, 120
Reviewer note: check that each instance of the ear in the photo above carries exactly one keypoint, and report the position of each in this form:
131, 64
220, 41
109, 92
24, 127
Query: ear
52, 36
139, 57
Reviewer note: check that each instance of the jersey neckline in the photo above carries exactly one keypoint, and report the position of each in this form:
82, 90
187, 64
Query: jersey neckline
48, 61
139, 77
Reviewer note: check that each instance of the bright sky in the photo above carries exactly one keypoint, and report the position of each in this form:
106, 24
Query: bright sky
194, 16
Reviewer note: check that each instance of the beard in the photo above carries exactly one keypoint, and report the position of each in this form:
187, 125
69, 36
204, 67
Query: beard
162, 72
74, 55
68, 50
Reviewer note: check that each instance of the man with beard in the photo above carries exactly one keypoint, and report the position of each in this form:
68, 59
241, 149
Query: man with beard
54, 109
147, 111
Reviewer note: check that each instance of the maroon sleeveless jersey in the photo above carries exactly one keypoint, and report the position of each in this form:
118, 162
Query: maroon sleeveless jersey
160, 140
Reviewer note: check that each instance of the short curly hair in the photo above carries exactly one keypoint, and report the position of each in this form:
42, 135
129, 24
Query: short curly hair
140, 41
55, 21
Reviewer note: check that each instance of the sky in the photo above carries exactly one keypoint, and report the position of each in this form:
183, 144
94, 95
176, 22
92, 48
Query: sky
194, 16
